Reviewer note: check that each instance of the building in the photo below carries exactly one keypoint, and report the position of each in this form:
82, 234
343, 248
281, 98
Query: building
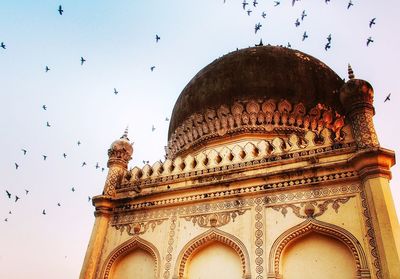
273, 170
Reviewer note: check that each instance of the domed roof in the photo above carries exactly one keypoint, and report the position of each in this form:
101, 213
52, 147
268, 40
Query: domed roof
266, 72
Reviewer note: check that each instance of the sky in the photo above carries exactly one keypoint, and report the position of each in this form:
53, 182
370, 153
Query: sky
117, 40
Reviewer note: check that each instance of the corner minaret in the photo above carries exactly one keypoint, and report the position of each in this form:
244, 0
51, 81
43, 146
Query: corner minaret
119, 155
357, 96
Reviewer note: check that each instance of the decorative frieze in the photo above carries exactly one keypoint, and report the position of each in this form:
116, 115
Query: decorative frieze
216, 219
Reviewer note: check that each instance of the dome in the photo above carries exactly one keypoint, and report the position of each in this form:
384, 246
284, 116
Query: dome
256, 92
259, 72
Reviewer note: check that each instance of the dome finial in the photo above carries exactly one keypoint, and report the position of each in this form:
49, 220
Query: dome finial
125, 135
350, 71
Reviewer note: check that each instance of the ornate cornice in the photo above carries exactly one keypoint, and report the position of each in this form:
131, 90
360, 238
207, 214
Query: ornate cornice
252, 116
216, 219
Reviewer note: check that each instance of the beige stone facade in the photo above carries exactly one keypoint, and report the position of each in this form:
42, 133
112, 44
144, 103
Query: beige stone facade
262, 186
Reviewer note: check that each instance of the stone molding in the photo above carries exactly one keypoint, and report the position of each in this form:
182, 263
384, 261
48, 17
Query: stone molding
252, 116
311, 225
204, 239
215, 219
135, 243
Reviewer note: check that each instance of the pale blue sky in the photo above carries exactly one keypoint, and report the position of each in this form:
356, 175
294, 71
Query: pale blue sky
117, 38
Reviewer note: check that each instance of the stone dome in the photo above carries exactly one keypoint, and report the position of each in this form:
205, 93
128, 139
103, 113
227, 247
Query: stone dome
267, 72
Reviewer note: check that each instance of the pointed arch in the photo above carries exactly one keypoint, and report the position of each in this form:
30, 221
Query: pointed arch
309, 226
204, 239
125, 248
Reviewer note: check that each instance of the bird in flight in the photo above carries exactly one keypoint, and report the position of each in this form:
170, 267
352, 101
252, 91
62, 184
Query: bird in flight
64, 155
145, 162
294, 1
83, 60
276, 3
47, 69
8, 194
329, 38
102, 169
73, 189
257, 27
157, 38
166, 119
26, 192
44, 212
2, 45
249, 12
305, 36
369, 40
44, 157
48, 124
153, 128
16, 198
349, 4
44, 107
89, 198
263, 14
115, 91
16, 166
303, 14
6, 220
60, 10
58, 204
79, 143
297, 23
387, 98
152, 68
255, 3
327, 1
97, 165
372, 22
83, 164
24, 150
244, 4
327, 46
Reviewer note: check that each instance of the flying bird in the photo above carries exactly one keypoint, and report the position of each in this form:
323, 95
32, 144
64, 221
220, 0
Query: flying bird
64, 155
79, 143
327, 46
24, 150
257, 27
145, 162
166, 119
83, 164
372, 22
303, 14
255, 3
102, 169
44, 107
47, 69
89, 198
16, 198
152, 68
6, 220
244, 4
48, 124
249, 12
327, 1
297, 23
153, 128
8, 194
294, 1
263, 14
26, 192
58, 204
44, 212
97, 165
115, 91
369, 40
16, 166
60, 10
2, 45
276, 3
350, 4
157, 38
73, 189
44, 157
305, 36
83, 60
387, 98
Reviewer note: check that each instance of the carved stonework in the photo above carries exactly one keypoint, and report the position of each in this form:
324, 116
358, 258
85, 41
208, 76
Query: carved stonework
364, 130
252, 116
321, 206
216, 219
114, 178
168, 258
138, 228
259, 242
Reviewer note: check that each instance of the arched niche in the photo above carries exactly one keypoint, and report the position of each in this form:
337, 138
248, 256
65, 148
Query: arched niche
135, 248
203, 242
316, 231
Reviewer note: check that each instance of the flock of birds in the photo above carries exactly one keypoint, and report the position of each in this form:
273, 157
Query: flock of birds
16, 197
247, 8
